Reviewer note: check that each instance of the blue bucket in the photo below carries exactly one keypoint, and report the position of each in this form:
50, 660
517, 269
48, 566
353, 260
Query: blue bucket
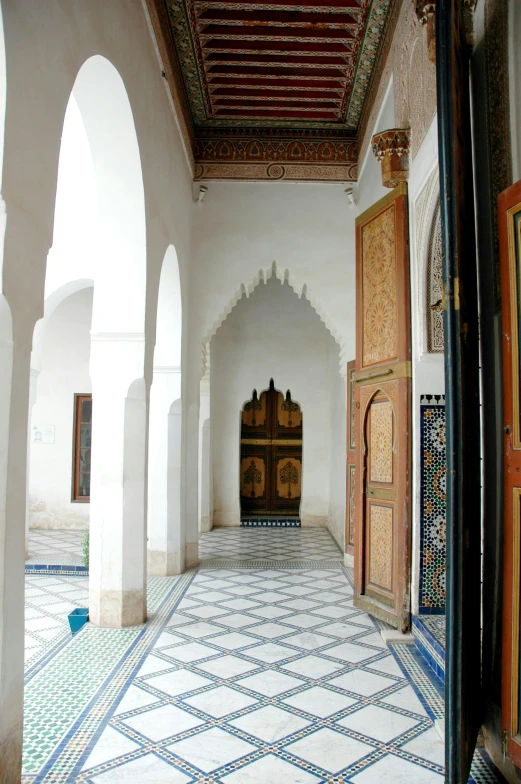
78, 618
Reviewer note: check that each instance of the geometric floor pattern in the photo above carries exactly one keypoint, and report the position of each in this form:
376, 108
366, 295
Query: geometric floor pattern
268, 676
48, 601
56, 547
436, 625
272, 544
242, 675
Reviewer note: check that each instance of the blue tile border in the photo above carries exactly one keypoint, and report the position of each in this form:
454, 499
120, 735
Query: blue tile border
56, 569
429, 646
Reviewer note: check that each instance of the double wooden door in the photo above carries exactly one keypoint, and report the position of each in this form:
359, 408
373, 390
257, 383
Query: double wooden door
271, 454
379, 470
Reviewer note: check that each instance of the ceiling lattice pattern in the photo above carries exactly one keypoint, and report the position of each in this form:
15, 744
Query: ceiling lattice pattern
274, 80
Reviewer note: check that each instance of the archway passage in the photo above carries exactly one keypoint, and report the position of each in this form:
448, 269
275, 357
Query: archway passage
271, 454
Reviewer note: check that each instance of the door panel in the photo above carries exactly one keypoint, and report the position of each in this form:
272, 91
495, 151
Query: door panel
351, 460
271, 454
510, 259
382, 412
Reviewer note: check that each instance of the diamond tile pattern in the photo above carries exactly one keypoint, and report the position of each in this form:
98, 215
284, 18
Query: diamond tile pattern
308, 696
56, 547
245, 544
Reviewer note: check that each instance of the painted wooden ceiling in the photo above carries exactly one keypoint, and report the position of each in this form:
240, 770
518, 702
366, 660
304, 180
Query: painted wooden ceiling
287, 73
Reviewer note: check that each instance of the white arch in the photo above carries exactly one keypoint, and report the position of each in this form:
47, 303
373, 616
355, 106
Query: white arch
165, 550
3, 102
169, 313
120, 275
301, 290
53, 301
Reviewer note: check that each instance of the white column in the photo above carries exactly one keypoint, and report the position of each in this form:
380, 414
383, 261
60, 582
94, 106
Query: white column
191, 488
14, 399
117, 558
166, 552
206, 521
33, 390
204, 443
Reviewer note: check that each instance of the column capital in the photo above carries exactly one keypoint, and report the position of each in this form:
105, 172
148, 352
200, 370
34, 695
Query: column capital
391, 148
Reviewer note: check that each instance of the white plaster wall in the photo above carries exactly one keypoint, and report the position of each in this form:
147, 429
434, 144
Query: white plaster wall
337, 463
65, 372
272, 334
306, 229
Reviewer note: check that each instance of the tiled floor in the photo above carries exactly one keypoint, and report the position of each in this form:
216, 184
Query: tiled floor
273, 544
56, 547
48, 601
436, 625
243, 675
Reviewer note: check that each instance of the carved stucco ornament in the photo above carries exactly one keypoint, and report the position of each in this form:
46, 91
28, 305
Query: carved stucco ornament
426, 13
391, 148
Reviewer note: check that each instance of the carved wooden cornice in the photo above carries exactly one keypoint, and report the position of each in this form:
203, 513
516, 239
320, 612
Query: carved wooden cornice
391, 148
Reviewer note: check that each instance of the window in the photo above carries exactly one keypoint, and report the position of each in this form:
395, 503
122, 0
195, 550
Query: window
81, 452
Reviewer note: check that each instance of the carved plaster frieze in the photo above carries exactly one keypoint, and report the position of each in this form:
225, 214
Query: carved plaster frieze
426, 13
314, 172
391, 148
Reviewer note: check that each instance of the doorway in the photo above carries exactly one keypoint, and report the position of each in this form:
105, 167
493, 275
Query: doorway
271, 454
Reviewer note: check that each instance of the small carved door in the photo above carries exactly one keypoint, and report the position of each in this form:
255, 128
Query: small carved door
382, 403
271, 454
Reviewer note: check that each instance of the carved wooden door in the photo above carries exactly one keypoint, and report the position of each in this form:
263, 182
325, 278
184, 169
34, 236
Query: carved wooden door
271, 454
510, 256
382, 401
351, 460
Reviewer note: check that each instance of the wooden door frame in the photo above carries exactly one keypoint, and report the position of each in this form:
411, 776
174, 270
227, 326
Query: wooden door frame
509, 203
368, 380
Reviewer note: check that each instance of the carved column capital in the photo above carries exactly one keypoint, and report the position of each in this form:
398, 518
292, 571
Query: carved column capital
391, 148
426, 13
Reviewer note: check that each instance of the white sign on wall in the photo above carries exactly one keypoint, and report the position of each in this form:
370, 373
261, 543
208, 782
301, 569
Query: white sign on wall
42, 434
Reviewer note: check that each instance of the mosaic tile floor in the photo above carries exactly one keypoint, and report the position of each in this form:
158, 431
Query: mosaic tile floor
51, 547
241, 676
436, 625
48, 601
273, 544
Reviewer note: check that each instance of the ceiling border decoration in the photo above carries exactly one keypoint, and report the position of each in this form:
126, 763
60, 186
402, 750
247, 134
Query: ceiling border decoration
225, 148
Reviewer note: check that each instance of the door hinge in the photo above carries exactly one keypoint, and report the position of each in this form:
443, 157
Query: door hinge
504, 745
456, 293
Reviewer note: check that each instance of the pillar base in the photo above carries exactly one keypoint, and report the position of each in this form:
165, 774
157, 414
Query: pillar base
192, 555
163, 564
117, 609
11, 758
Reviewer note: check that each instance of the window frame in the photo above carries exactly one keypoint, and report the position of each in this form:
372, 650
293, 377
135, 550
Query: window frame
79, 398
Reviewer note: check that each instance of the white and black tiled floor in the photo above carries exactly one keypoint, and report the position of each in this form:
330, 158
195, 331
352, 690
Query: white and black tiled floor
271, 544
243, 675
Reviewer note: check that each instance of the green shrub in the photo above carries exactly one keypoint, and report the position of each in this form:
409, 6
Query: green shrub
86, 550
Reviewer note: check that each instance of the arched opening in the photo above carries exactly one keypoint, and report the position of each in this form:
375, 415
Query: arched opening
378, 497
271, 456
276, 334
95, 290
165, 544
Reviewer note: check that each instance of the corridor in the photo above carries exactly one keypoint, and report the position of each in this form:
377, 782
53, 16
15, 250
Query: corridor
254, 668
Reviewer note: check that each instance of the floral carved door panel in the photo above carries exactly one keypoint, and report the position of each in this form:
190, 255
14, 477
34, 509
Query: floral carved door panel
381, 413
351, 460
271, 454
